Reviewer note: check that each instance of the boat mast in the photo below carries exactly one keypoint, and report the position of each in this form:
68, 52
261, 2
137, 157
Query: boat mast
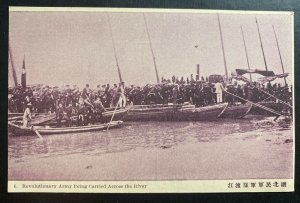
246, 51
279, 54
222, 43
150, 43
262, 48
13, 66
114, 47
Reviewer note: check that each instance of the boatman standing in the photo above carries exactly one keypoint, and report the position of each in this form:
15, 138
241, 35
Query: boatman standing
219, 92
27, 115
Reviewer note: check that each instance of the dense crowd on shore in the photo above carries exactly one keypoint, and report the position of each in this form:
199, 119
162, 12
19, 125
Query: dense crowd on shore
44, 98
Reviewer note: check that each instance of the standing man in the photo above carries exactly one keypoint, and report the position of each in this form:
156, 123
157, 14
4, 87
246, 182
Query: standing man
122, 96
219, 92
175, 94
27, 116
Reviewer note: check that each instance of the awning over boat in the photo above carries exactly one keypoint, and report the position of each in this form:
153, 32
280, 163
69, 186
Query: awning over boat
269, 79
261, 72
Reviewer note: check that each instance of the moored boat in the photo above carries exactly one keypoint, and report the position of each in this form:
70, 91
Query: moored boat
46, 130
175, 113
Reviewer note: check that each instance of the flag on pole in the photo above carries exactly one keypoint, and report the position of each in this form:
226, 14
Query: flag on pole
23, 76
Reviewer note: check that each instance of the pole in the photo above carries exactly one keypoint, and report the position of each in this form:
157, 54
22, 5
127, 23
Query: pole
246, 52
113, 114
262, 47
114, 47
222, 43
150, 43
13, 66
279, 53
255, 104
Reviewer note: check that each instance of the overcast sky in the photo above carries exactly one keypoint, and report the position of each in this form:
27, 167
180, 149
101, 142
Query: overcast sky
76, 47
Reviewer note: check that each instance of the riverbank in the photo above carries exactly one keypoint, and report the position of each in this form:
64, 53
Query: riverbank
243, 155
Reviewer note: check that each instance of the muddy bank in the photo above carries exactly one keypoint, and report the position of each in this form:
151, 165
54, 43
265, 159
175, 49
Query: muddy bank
245, 155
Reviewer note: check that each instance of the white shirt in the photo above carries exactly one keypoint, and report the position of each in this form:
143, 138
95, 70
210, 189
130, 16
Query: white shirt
219, 88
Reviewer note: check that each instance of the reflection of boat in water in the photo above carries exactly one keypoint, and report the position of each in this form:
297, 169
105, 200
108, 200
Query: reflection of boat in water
46, 130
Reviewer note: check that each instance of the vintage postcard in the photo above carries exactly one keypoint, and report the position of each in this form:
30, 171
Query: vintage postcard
105, 100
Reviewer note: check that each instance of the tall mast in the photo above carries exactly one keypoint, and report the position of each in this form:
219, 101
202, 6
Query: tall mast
150, 43
246, 51
114, 47
279, 54
222, 43
13, 66
262, 47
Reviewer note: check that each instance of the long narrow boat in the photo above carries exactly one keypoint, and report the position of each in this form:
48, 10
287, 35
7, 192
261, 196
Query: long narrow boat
37, 119
46, 130
176, 113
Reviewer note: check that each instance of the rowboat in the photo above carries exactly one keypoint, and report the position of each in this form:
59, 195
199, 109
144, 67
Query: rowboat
37, 119
46, 130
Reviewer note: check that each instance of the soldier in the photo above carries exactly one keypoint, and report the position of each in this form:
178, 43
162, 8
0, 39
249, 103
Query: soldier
27, 115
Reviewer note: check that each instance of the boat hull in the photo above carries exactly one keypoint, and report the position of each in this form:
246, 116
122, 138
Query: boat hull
176, 113
19, 130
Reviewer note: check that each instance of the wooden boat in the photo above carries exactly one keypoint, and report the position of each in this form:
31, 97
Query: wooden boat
119, 114
175, 113
236, 111
37, 119
46, 130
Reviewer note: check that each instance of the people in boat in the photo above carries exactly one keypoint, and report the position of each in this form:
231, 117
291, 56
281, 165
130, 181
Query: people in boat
68, 115
82, 114
115, 95
59, 114
46, 99
86, 95
98, 109
121, 90
27, 115
175, 94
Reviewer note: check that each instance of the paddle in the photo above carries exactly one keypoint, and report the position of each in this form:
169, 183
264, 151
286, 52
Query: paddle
38, 134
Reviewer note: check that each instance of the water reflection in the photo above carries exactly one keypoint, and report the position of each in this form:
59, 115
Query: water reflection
132, 135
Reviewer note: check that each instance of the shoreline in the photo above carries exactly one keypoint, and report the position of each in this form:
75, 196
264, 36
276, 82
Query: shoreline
249, 155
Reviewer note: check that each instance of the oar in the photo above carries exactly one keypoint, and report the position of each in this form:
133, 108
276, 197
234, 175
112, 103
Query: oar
274, 94
255, 104
275, 97
113, 114
38, 134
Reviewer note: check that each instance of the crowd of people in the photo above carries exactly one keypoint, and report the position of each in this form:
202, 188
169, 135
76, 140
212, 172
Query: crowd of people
70, 100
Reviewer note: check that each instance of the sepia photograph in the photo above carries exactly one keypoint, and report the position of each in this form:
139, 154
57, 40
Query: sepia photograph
150, 100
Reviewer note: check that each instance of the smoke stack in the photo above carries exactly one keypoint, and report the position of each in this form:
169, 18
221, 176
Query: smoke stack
198, 72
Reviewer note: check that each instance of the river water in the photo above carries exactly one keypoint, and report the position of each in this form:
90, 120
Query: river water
145, 137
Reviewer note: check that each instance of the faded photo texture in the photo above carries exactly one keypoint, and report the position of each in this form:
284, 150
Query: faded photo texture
77, 48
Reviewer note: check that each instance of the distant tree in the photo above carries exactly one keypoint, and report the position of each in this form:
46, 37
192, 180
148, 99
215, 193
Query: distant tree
162, 79
206, 79
187, 80
202, 78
